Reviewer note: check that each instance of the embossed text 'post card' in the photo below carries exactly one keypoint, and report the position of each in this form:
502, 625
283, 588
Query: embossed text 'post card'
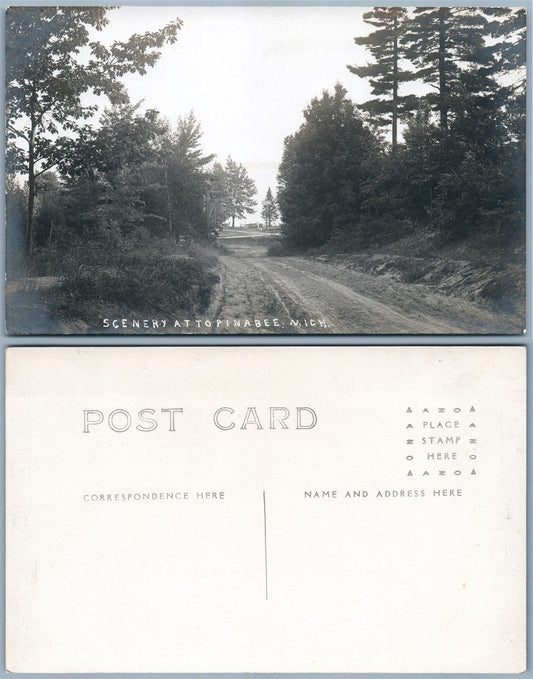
264, 510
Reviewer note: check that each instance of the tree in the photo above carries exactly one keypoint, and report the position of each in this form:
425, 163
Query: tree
46, 81
105, 170
419, 165
386, 74
269, 211
324, 166
465, 181
445, 42
186, 180
217, 202
508, 46
240, 189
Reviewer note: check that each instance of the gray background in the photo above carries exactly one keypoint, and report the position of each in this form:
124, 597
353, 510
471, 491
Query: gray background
251, 340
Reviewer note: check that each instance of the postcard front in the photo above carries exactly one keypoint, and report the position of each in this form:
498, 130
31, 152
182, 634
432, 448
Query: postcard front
257, 510
266, 170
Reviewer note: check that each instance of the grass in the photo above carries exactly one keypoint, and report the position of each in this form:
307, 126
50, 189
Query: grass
146, 280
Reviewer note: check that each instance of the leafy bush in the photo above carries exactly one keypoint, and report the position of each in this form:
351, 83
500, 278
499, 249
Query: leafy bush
154, 279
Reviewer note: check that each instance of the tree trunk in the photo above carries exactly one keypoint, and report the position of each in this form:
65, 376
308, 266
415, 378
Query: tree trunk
31, 191
395, 87
50, 232
169, 211
443, 94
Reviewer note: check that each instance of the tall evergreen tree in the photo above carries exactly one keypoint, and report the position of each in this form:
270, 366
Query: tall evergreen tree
186, 180
507, 27
443, 42
387, 73
269, 211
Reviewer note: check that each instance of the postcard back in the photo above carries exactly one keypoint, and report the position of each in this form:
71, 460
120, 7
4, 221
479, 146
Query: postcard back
264, 510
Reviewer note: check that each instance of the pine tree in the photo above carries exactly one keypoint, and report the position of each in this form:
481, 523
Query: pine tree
269, 211
445, 43
387, 74
186, 181
507, 27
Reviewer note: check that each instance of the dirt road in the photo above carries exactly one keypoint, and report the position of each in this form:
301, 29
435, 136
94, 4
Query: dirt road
260, 294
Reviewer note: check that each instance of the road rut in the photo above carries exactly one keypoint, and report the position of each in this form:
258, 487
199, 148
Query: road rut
260, 294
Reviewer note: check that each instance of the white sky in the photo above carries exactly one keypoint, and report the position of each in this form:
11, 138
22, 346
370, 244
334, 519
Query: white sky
246, 72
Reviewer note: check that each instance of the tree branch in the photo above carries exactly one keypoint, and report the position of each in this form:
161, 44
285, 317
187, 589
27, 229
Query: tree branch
17, 132
45, 169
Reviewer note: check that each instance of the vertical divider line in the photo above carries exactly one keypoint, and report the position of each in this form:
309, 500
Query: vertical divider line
266, 552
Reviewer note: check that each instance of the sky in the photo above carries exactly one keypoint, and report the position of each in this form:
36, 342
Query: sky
247, 73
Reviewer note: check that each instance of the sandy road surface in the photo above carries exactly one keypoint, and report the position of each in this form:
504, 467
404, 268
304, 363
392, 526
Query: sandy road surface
297, 295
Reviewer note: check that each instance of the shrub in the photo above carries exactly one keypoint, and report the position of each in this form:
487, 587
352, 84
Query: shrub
133, 282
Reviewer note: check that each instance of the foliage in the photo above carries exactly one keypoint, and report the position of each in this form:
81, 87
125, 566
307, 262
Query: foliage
186, 181
507, 27
460, 169
323, 168
445, 43
50, 208
133, 275
269, 210
386, 74
240, 190
46, 81
103, 173
218, 207
138, 284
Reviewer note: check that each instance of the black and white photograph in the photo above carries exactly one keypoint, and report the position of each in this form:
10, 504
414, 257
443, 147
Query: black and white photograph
265, 170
